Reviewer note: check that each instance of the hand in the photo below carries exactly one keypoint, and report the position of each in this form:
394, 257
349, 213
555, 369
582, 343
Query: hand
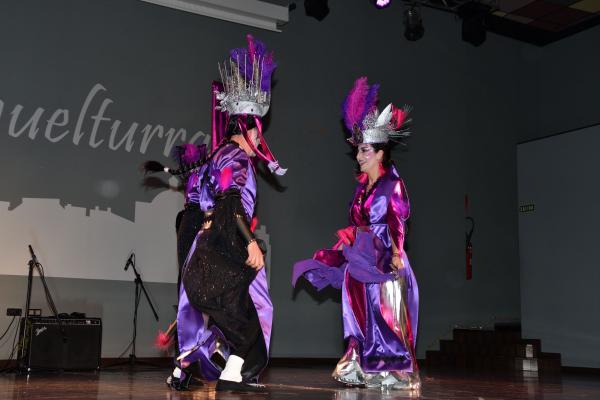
206, 225
255, 256
397, 261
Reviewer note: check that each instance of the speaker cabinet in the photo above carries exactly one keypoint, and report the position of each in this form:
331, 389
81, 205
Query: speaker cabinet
75, 344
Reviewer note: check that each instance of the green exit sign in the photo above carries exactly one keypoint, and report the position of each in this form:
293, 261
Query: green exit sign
527, 208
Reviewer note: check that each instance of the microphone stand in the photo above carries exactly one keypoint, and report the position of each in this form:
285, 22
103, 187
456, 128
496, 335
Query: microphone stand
139, 289
34, 263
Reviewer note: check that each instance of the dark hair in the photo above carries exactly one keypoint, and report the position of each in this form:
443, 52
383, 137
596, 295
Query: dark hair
233, 128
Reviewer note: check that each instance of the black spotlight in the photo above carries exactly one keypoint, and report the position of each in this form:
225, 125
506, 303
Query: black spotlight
474, 16
316, 8
413, 24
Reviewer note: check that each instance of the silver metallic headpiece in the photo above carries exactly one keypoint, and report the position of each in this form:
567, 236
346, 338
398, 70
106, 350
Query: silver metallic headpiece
242, 96
390, 124
246, 78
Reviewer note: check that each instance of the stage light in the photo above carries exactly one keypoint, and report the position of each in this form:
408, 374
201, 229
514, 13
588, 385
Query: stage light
474, 15
413, 23
381, 3
316, 8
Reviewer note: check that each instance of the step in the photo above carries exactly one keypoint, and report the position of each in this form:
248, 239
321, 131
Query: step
550, 362
483, 336
525, 349
527, 364
500, 349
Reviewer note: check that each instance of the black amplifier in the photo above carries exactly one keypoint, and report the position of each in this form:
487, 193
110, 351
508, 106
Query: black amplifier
75, 344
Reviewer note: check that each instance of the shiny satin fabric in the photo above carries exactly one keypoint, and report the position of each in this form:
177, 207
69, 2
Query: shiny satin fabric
198, 341
365, 260
379, 304
380, 350
368, 260
383, 317
385, 208
349, 372
233, 161
191, 194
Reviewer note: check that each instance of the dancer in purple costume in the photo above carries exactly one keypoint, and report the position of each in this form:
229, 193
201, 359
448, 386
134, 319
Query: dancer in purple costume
379, 290
225, 311
188, 220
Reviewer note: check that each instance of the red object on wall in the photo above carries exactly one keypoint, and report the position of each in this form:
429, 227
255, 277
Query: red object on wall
468, 244
469, 258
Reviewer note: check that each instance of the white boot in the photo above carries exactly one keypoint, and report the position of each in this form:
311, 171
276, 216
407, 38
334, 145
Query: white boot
233, 369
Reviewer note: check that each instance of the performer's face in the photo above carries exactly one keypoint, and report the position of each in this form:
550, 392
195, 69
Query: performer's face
368, 159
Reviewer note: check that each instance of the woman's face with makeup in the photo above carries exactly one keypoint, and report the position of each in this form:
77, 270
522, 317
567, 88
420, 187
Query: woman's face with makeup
368, 159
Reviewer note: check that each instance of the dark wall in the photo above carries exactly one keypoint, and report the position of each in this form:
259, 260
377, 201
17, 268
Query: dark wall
558, 242
563, 88
561, 97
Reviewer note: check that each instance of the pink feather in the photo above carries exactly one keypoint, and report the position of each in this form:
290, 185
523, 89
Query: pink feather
163, 340
251, 48
355, 103
398, 117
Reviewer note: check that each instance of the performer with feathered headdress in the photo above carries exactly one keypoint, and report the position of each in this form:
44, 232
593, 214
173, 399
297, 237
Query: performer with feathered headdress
225, 312
368, 263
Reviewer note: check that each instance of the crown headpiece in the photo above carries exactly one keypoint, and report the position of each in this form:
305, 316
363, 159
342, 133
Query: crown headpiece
246, 78
364, 121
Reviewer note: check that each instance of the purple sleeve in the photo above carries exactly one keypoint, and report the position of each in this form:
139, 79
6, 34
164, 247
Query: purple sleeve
397, 214
230, 169
191, 188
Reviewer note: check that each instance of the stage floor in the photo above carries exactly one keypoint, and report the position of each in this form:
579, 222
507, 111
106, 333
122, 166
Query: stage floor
289, 383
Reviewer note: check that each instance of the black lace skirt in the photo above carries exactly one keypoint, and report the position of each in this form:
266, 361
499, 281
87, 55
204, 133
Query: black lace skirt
218, 262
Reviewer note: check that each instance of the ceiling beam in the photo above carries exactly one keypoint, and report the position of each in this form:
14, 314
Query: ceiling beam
258, 14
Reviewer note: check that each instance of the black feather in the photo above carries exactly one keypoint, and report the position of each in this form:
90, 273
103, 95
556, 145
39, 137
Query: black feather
153, 166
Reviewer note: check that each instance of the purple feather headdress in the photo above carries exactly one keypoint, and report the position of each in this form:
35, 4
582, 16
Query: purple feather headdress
246, 79
360, 101
363, 120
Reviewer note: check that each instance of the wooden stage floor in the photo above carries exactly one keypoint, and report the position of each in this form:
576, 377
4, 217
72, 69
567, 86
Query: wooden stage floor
297, 382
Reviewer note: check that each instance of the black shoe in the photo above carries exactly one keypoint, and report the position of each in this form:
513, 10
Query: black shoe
239, 387
178, 383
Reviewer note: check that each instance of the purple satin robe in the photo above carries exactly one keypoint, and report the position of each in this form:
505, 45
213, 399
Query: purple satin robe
380, 319
190, 190
229, 168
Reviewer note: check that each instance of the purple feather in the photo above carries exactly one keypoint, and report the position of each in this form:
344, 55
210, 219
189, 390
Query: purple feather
242, 59
256, 51
189, 153
370, 101
354, 105
267, 67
